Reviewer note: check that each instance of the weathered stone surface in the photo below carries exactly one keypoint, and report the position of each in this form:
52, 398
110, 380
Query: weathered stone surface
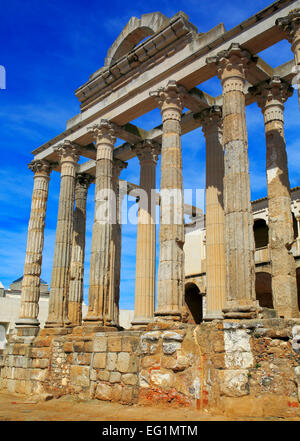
103, 392
162, 378
129, 344
296, 339
130, 379
152, 336
114, 344
103, 375
127, 395
80, 375
170, 347
111, 361
115, 377
78, 346
297, 376
100, 344
68, 346
234, 382
123, 362
150, 360
99, 360
173, 336
84, 358
178, 363
237, 349
116, 392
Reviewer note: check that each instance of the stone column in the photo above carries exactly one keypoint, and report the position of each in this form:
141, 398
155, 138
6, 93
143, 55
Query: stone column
271, 96
214, 213
147, 152
100, 266
58, 301
239, 238
112, 300
29, 308
170, 286
83, 181
291, 26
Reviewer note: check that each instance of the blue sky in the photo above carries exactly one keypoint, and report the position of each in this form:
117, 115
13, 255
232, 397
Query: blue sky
49, 49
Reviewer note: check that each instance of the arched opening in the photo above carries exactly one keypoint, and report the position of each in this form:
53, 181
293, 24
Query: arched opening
193, 303
263, 289
295, 226
261, 233
298, 286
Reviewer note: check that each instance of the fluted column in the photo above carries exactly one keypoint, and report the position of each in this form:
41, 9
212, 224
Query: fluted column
105, 204
239, 238
214, 213
170, 285
271, 96
291, 26
58, 301
29, 308
147, 153
112, 300
82, 183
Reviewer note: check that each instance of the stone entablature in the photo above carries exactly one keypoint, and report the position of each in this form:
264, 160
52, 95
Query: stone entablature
190, 69
140, 59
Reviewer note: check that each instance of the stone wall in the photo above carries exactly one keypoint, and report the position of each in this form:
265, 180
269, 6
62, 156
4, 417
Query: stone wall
249, 367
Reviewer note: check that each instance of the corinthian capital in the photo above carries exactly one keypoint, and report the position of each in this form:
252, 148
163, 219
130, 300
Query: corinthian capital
170, 100
274, 91
118, 166
211, 119
67, 151
84, 179
41, 166
290, 24
233, 62
103, 132
147, 151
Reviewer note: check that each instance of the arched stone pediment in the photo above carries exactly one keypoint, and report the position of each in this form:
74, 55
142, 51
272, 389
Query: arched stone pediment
136, 30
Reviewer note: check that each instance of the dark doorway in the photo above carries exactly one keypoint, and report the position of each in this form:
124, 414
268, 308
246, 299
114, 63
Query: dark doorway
263, 289
261, 233
194, 303
295, 226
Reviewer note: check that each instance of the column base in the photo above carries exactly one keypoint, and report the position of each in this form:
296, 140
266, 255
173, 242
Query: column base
140, 323
249, 310
175, 316
94, 324
27, 327
217, 315
58, 324
287, 313
27, 323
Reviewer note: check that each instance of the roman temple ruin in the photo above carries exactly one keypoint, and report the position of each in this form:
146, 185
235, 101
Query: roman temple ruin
242, 354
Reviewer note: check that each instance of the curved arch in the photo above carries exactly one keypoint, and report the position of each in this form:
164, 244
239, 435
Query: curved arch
194, 303
134, 32
295, 226
261, 233
263, 289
